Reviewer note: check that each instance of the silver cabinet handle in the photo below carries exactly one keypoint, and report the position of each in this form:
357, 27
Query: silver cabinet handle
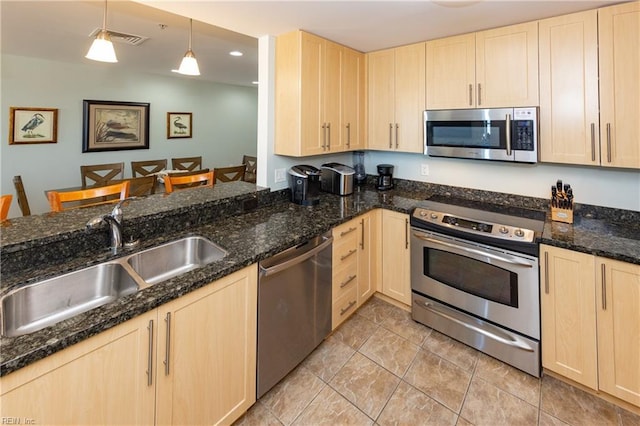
397, 140
609, 142
479, 94
406, 233
348, 254
470, 94
348, 231
508, 135
348, 135
324, 137
362, 239
546, 272
603, 273
349, 306
346, 283
150, 355
328, 136
390, 135
265, 272
593, 141
167, 346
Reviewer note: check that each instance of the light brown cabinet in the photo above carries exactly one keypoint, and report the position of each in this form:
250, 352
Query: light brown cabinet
368, 254
345, 271
396, 81
587, 94
396, 257
191, 361
319, 103
487, 69
591, 321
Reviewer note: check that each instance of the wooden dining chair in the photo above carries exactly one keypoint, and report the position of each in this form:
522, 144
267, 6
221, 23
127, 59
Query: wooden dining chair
88, 197
145, 168
143, 185
251, 168
179, 181
23, 203
186, 163
5, 203
231, 173
101, 174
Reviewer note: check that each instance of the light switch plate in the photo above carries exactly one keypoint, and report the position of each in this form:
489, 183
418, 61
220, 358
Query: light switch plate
424, 170
280, 175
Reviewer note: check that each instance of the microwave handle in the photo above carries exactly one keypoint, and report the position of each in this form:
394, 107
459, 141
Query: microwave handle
508, 126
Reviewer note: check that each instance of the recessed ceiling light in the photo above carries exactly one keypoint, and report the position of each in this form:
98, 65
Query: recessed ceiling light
235, 53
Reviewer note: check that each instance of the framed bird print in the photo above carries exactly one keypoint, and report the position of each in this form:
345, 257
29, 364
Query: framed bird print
114, 126
179, 125
33, 125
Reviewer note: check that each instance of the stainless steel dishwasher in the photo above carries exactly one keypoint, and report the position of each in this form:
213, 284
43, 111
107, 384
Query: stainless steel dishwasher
294, 308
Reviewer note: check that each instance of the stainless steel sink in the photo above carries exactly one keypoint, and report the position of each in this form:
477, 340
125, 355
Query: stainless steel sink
45, 303
175, 258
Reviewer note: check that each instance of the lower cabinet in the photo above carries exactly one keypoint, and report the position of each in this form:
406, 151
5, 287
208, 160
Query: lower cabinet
590, 310
396, 259
191, 361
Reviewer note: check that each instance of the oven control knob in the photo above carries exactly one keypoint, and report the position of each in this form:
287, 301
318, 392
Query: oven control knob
519, 233
422, 213
434, 216
504, 230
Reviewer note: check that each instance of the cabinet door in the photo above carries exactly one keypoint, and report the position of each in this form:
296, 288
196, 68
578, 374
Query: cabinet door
618, 307
409, 97
619, 32
206, 352
569, 124
366, 256
567, 299
507, 66
451, 72
331, 97
353, 106
102, 380
381, 70
395, 256
312, 135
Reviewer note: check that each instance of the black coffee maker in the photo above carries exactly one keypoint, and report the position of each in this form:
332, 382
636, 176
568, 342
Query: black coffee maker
304, 183
385, 177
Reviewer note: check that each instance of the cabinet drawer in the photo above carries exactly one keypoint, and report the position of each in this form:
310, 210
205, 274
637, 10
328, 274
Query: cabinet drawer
345, 253
344, 278
345, 231
344, 306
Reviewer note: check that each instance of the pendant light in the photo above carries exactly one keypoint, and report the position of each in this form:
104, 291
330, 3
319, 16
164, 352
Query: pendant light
189, 65
102, 47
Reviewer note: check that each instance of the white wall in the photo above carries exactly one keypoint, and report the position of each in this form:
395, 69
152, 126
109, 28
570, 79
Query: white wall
224, 120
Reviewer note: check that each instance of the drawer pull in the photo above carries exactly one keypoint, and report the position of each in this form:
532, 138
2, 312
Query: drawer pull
348, 231
348, 254
349, 306
346, 283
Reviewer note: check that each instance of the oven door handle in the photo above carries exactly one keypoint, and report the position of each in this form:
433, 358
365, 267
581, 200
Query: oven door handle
493, 334
474, 251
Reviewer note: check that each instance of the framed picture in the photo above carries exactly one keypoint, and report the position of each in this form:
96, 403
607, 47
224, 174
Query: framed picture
114, 126
33, 125
179, 125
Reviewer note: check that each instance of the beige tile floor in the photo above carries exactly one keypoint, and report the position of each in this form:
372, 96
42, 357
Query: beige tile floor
382, 368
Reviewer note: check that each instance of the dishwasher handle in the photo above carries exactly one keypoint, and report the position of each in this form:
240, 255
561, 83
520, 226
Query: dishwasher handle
293, 258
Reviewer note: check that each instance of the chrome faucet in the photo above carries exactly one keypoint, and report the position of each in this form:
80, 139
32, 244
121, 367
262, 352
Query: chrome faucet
114, 220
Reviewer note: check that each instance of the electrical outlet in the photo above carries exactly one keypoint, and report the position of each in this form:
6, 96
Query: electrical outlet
424, 170
280, 175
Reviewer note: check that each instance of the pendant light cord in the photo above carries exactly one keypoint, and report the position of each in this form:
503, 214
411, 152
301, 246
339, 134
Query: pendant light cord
190, 31
104, 17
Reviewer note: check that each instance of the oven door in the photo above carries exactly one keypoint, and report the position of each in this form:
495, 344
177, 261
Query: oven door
490, 283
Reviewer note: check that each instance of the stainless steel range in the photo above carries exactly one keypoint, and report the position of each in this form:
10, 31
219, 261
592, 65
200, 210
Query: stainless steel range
475, 277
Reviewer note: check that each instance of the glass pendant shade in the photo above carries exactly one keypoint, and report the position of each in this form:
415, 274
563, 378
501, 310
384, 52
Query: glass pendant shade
189, 65
102, 48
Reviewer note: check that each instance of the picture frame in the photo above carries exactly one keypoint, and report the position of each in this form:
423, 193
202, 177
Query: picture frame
114, 126
29, 126
179, 125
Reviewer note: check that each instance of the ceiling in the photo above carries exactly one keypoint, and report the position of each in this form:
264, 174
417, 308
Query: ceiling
44, 29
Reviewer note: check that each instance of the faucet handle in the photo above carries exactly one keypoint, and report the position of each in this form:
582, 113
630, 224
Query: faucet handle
116, 213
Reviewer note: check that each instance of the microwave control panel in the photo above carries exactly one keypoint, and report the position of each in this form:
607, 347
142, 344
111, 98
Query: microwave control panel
523, 128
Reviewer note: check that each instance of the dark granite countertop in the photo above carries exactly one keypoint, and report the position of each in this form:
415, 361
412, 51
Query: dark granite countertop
250, 237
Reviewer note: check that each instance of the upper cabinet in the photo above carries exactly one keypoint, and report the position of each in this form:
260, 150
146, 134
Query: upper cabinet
319, 88
487, 69
571, 130
396, 79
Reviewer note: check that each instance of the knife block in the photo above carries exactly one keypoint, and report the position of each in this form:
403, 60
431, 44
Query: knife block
562, 215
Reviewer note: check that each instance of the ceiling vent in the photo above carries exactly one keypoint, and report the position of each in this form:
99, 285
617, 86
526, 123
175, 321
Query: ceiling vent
132, 39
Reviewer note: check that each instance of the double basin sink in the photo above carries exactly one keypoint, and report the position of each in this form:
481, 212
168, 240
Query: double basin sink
44, 303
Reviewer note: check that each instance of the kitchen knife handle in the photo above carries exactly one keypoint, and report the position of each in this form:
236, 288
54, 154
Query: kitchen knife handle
390, 135
546, 272
593, 141
362, 236
470, 94
348, 135
479, 94
508, 134
603, 273
167, 346
150, 355
397, 143
329, 136
608, 142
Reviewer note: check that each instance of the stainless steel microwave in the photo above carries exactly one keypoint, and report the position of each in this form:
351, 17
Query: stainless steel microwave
501, 134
